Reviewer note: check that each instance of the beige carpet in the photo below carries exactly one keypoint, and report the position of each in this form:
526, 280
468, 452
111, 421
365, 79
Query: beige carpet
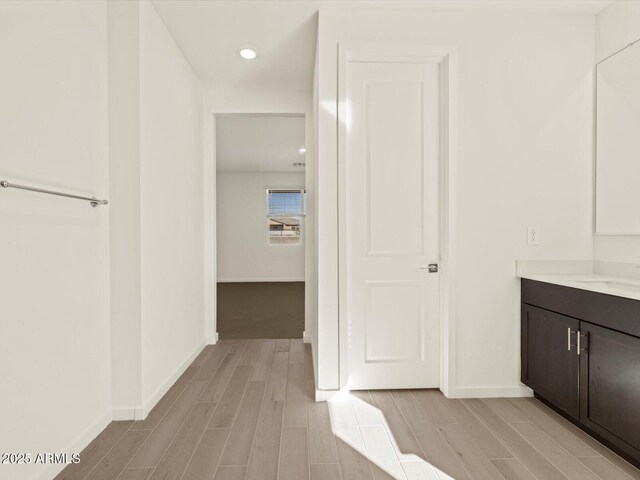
261, 310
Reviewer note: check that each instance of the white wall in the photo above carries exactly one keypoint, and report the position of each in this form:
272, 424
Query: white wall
157, 249
54, 252
244, 254
312, 147
245, 101
123, 21
171, 149
617, 26
522, 157
96, 99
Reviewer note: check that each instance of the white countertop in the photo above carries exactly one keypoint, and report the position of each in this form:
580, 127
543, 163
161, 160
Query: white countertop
609, 285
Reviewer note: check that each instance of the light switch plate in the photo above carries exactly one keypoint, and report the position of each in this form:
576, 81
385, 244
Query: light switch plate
533, 237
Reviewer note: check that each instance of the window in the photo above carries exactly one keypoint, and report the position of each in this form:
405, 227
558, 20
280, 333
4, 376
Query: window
285, 213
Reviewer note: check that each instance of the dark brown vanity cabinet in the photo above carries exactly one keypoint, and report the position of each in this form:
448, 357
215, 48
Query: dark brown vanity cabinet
610, 383
550, 364
580, 354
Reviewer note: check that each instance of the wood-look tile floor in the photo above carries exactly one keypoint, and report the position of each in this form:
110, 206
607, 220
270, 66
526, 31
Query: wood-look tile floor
244, 411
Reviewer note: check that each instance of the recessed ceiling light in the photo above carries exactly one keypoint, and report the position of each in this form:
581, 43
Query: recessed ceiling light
248, 53
302, 150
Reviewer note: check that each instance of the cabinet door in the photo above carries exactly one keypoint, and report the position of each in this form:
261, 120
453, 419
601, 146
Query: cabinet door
610, 385
550, 364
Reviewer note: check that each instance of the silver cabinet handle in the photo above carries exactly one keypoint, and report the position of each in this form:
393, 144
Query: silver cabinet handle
578, 346
586, 337
569, 344
578, 340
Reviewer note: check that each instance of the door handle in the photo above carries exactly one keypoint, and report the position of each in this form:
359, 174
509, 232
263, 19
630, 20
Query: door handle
432, 267
569, 344
578, 347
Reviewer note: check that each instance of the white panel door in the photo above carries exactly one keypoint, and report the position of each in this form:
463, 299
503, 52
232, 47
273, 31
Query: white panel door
392, 216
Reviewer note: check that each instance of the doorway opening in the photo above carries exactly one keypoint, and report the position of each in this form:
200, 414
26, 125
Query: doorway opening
260, 225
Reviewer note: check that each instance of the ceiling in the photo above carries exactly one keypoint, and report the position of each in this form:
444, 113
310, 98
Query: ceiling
210, 33
259, 143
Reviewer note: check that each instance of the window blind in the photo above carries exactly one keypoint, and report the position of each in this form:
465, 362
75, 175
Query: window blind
284, 202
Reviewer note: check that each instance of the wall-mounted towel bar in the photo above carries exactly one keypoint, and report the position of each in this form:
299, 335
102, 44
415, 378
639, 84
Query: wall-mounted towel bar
94, 202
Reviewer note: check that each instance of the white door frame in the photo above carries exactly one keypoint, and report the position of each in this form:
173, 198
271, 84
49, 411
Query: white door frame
445, 56
211, 220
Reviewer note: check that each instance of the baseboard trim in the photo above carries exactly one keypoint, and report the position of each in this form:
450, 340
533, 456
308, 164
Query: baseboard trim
254, 280
306, 338
332, 395
76, 446
460, 392
123, 413
490, 392
141, 413
213, 340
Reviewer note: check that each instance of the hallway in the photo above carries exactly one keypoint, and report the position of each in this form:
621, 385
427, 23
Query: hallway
244, 411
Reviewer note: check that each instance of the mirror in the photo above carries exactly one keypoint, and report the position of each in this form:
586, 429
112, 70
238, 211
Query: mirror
617, 173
